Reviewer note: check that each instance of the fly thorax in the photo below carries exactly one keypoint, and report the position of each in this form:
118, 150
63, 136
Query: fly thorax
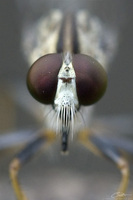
66, 101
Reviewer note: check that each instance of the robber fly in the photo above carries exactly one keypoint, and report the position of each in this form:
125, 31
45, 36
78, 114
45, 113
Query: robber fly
66, 52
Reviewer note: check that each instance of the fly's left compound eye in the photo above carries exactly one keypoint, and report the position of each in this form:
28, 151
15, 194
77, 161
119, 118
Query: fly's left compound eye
91, 79
43, 76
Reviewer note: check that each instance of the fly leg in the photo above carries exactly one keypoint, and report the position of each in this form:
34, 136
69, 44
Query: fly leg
99, 147
20, 159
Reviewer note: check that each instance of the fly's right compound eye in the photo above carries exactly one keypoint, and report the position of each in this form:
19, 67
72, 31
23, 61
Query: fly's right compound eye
42, 78
91, 79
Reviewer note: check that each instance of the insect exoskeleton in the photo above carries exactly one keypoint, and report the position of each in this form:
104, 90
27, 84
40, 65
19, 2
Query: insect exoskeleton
91, 78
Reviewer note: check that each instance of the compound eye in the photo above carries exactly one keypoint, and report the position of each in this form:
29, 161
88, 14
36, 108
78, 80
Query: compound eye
91, 79
42, 78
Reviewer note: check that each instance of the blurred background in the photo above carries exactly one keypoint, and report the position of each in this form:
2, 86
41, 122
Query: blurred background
78, 176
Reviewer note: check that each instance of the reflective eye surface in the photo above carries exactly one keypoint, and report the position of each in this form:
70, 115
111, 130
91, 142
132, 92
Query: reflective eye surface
91, 79
43, 76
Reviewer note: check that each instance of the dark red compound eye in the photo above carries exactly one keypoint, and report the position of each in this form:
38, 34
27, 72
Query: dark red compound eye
42, 78
91, 79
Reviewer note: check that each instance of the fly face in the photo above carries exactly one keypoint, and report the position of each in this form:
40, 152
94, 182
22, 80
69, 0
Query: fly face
67, 80
67, 83
66, 101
